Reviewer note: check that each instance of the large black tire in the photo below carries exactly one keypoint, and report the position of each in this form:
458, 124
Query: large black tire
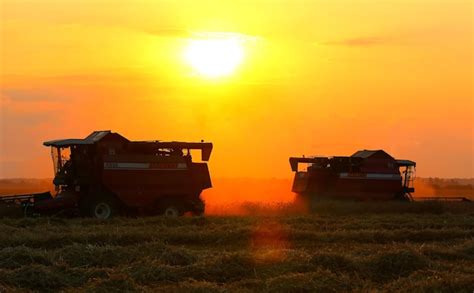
101, 207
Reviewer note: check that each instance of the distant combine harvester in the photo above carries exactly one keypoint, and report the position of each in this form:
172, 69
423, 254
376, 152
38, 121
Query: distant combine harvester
366, 175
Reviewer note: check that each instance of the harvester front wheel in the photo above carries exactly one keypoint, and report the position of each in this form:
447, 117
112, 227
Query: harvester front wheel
102, 208
102, 211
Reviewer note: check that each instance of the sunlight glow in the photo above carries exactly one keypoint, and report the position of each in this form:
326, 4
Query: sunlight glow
214, 57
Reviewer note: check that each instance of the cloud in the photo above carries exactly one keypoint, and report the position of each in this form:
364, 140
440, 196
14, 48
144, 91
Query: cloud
182, 33
27, 106
22, 95
359, 42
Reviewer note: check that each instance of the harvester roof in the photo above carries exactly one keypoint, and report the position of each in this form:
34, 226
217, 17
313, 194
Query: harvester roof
406, 163
371, 159
90, 139
107, 135
371, 153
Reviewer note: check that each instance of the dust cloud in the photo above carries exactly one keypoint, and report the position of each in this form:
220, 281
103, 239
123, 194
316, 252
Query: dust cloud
249, 196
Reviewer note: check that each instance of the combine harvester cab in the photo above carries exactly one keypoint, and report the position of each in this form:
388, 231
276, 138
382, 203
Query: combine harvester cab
105, 174
366, 175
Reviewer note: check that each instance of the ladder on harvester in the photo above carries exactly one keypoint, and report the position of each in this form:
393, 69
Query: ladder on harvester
408, 182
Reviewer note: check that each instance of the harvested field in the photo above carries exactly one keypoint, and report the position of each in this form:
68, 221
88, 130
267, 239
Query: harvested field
339, 247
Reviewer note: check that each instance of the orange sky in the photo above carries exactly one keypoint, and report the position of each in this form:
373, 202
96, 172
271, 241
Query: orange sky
318, 77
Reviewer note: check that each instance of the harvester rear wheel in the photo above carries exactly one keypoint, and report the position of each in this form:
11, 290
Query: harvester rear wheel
172, 211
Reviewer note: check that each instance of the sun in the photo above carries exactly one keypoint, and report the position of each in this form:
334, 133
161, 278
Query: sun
214, 57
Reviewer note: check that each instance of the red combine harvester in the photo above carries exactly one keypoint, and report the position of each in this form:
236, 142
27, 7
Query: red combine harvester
366, 175
105, 174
